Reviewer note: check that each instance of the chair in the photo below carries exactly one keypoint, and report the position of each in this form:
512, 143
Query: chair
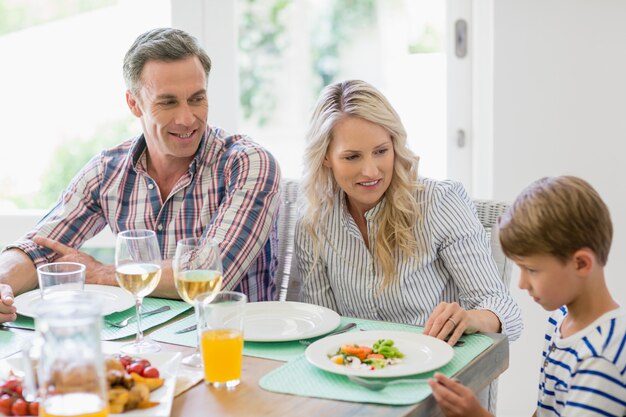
289, 282
288, 289
488, 213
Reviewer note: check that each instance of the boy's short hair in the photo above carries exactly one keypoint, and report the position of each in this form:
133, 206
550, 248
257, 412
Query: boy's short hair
557, 216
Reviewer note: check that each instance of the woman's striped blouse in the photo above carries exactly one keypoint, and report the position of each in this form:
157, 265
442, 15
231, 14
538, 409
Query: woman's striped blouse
454, 264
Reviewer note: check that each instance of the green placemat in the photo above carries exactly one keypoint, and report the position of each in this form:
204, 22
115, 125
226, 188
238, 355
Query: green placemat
299, 377
166, 333
147, 322
11, 342
24, 321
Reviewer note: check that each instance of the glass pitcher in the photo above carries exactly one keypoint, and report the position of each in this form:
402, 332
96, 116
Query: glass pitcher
64, 365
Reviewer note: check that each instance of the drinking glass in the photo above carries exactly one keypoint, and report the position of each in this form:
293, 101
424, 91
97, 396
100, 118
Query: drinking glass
197, 268
138, 271
220, 326
59, 278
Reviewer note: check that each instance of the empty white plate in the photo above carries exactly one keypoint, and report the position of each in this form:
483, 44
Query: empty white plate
112, 298
279, 321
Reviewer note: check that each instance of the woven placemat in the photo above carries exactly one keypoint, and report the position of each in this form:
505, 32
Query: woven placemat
111, 333
299, 377
150, 303
167, 333
11, 342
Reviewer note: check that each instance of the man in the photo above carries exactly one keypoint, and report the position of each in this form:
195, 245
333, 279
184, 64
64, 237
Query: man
180, 178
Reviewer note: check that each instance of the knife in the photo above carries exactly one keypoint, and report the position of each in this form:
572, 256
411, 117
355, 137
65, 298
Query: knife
7, 326
186, 329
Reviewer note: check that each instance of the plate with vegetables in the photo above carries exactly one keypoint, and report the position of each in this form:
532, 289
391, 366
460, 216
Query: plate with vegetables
379, 354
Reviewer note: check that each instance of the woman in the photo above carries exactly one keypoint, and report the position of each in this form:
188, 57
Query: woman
376, 241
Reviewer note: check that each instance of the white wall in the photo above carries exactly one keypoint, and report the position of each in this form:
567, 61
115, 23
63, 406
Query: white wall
559, 108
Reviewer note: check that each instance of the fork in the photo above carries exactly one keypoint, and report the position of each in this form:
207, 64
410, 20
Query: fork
377, 384
342, 329
123, 323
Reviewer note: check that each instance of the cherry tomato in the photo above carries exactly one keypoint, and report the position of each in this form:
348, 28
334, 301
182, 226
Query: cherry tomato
144, 362
33, 408
150, 372
20, 407
6, 401
10, 384
6, 411
137, 368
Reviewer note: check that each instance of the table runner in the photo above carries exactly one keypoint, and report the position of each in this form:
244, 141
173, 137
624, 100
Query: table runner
299, 377
111, 333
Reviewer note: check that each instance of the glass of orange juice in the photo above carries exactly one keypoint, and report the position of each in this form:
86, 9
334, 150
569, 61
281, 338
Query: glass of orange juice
220, 326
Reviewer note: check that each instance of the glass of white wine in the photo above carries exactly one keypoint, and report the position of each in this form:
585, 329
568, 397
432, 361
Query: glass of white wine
197, 268
138, 271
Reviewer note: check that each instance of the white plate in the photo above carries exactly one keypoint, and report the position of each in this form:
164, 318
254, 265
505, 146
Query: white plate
421, 353
167, 364
113, 299
279, 321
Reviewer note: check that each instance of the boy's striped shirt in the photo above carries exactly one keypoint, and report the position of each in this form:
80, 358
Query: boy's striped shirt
585, 373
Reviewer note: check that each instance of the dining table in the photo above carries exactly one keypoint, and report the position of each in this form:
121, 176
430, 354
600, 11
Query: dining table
250, 398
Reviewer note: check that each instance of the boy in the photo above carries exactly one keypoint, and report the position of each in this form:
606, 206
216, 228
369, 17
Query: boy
559, 231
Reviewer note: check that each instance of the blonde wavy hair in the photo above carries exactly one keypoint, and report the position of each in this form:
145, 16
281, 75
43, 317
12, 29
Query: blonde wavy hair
396, 221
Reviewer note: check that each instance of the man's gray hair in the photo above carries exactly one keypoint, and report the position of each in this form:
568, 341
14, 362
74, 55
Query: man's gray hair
161, 44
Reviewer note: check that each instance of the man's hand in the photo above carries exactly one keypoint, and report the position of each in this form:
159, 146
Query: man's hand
7, 309
96, 272
455, 399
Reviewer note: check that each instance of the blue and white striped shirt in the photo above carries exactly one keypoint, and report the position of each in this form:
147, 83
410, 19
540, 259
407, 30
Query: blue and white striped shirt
584, 374
454, 264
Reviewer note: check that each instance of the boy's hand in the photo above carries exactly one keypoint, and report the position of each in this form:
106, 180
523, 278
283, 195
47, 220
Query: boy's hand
7, 309
454, 398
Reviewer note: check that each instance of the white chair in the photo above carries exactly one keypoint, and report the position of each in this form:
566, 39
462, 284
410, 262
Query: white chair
288, 281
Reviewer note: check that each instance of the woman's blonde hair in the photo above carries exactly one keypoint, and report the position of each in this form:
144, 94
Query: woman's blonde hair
396, 221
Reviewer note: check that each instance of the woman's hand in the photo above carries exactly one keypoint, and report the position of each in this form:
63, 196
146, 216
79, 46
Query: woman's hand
454, 398
449, 319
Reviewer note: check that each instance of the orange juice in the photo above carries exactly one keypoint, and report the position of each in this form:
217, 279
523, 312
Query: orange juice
222, 352
73, 405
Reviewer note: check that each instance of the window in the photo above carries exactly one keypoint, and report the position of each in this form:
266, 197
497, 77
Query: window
63, 89
63, 94
289, 50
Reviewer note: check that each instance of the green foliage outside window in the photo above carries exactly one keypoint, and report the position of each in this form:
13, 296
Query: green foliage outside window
263, 37
72, 155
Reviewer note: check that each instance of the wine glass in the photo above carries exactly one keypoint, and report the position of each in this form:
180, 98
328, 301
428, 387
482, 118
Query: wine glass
138, 271
197, 268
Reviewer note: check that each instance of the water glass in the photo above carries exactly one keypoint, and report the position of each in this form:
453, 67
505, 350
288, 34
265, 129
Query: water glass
60, 278
220, 327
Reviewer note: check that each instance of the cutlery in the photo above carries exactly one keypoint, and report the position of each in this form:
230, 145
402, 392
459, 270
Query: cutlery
338, 331
186, 329
7, 326
124, 323
377, 384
